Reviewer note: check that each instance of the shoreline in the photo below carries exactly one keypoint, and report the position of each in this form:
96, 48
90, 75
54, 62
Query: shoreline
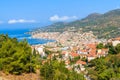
66, 38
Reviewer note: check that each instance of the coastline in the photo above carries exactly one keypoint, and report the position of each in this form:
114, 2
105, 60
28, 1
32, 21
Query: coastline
66, 38
22, 34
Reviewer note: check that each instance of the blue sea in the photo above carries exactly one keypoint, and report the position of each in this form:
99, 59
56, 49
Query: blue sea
21, 34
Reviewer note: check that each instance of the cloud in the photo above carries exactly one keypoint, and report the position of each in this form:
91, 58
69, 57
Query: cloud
13, 21
62, 18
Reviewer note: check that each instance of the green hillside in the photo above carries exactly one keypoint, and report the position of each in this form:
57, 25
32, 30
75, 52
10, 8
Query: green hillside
105, 25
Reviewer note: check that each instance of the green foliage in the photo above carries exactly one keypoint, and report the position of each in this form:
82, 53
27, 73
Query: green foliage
55, 70
105, 68
15, 57
34, 52
107, 74
113, 49
117, 47
100, 46
73, 61
84, 59
47, 51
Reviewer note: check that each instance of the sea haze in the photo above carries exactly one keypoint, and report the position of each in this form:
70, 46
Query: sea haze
20, 34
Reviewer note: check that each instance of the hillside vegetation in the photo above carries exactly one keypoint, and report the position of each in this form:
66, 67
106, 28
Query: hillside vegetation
15, 57
106, 68
17, 61
105, 25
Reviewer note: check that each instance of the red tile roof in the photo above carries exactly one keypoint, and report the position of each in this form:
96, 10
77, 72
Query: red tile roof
92, 52
84, 50
91, 55
92, 45
64, 52
74, 54
80, 62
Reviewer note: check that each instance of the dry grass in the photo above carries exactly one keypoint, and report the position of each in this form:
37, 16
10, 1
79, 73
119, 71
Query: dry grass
30, 76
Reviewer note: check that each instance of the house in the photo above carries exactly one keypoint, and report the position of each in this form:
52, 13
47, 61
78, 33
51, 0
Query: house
83, 55
79, 66
65, 55
67, 62
83, 51
92, 55
115, 41
69, 67
64, 48
91, 46
102, 52
73, 55
41, 51
79, 62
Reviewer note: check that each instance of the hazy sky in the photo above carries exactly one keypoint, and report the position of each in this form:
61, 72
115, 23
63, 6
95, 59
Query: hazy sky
44, 11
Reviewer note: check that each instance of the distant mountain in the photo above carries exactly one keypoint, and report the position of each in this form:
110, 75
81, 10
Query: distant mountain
105, 25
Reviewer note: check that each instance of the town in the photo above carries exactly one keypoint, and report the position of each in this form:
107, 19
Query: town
74, 48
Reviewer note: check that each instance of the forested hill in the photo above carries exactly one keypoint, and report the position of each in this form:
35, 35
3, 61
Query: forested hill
105, 25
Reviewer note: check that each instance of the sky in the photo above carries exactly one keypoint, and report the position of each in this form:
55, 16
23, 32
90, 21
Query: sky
23, 14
